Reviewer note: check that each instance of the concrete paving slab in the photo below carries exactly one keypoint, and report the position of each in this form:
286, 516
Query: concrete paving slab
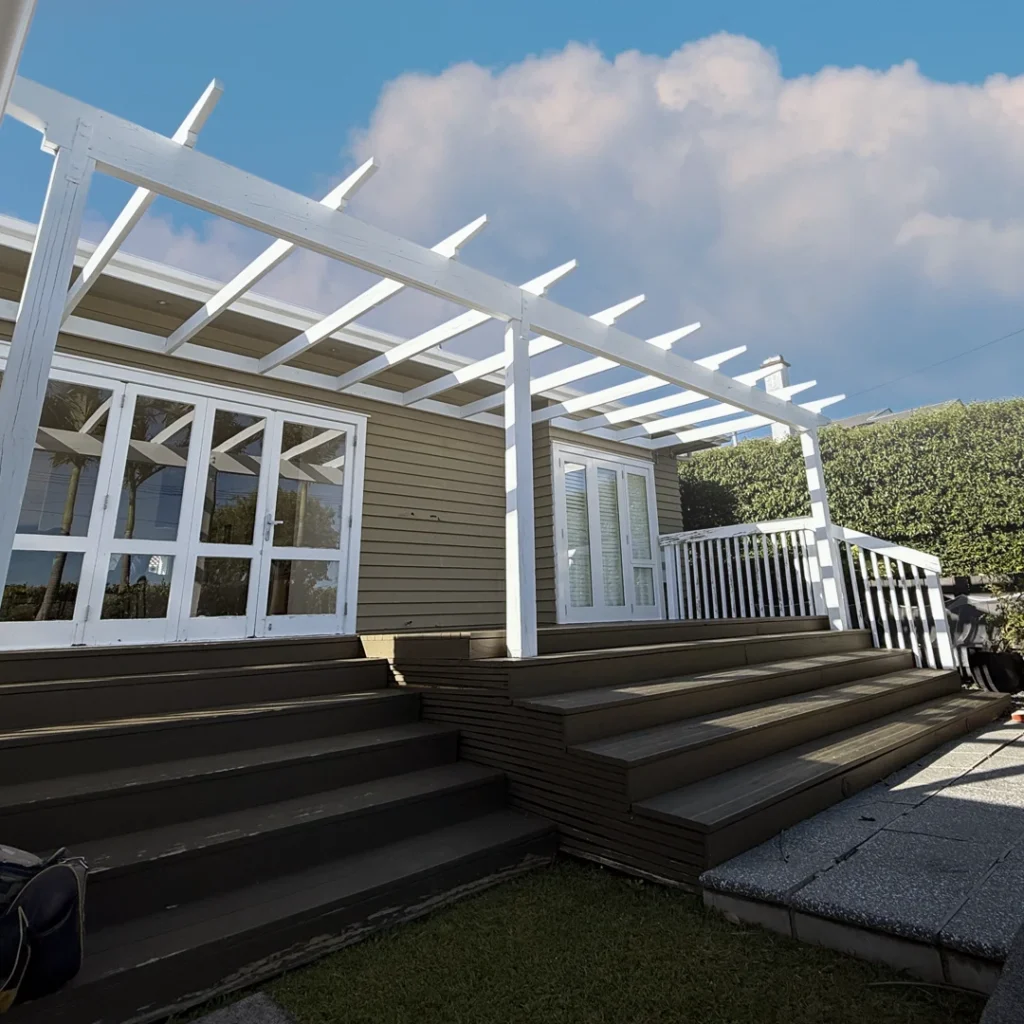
993, 913
1007, 1003
967, 814
255, 1009
906, 884
913, 785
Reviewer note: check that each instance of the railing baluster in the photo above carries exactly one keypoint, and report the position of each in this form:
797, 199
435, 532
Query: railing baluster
868, 598
778, 575
741, 604
733, 599
794, 540
943, 640
854, 585
791, 600
926, 633
752, 609
766, 563
717, 590
890, 575
908, 608
702, 547
880, 595
684, 562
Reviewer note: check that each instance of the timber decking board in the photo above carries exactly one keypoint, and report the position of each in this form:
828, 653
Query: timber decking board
717, 802
62, 812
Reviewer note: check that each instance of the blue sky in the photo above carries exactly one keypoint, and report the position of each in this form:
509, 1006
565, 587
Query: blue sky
922, 262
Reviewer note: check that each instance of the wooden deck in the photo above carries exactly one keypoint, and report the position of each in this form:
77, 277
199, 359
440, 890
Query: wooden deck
244, 808
665, 748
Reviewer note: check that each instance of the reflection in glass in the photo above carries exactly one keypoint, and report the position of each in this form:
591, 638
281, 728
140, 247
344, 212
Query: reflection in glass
577, 515
154, 471
302, 588
221, 587
310, 487
62, 476
232, 484
30, 593
137, 587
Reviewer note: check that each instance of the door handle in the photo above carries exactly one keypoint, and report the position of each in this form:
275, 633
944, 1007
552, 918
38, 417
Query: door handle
271, 522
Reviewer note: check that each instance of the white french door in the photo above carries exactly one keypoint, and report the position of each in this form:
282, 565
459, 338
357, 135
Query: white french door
605, 538
155, 514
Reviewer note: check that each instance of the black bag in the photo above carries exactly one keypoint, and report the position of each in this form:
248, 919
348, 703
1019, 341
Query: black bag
42, 923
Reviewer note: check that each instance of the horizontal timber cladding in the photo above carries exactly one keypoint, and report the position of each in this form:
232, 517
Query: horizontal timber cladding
666, 490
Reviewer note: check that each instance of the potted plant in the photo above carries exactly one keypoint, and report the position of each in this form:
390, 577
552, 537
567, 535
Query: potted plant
1001, 666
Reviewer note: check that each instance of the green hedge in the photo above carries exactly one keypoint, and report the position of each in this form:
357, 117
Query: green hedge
948, 481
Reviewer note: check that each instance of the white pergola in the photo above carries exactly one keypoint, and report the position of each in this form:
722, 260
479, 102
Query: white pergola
83, 139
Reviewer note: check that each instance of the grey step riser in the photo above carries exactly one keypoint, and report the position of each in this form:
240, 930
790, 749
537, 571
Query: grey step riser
121, 811
48, 705
636, 635
712, 759
153, 990
93, 662
733, 839
537, 679
130, 746
146, 888
586, 726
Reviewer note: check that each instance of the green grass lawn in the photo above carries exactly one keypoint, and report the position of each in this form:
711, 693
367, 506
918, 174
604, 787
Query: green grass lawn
579, 944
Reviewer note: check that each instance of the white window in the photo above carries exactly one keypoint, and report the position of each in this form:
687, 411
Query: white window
605, 537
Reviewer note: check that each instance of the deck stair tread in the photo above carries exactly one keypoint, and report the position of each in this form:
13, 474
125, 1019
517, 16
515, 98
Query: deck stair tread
308, 893
183, 839
137, 723
179, 675
601, 697
164, 773
726, 798
646, 745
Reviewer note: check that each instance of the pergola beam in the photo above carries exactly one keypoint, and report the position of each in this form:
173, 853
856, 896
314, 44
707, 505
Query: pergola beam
734, 426
140, 201
150, 160
264, 263
443, 332
637, 386
494, 364
709, 412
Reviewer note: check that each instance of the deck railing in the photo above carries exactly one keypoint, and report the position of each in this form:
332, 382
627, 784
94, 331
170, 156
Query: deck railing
770, 569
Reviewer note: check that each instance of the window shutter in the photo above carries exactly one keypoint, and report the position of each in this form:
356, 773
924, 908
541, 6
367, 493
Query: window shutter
611, 536
577, 529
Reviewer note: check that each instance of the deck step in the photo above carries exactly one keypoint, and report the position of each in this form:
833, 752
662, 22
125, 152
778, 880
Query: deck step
585, 670
608, 711
56, 751
135, 659
32, 705
170, 961
80, 808
742, 807
654, 760
145, 872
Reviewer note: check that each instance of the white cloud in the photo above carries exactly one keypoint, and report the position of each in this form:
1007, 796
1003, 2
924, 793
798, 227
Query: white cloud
800, 215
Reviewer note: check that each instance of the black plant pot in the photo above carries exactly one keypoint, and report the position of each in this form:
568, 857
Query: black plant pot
999, 671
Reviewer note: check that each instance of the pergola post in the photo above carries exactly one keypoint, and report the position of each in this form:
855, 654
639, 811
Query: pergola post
833, 587
35, 329
520, 561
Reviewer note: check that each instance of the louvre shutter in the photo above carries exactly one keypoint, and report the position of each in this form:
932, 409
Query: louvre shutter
577, 529
611, 536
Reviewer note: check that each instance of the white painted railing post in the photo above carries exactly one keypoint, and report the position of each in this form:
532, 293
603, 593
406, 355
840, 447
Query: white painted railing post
35, 329
671, 554
826, 546
520, 561
943, 640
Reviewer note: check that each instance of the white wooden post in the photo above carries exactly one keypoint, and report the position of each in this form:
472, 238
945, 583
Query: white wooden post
35, 329
520, 561
777, 380
15, 18
826, 546
671, 558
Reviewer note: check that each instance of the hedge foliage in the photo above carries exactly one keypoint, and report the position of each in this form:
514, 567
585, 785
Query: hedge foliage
948, 481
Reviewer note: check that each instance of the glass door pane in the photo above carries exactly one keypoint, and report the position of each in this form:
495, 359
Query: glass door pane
142, 543
307, 528
641, 544
611, 537
44, 594
577, 515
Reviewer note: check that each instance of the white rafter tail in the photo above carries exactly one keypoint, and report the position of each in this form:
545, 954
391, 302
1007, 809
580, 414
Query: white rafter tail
709, 412
264, 263
676, 400
669, 338
734, 426
140, 201
496, 363
443, 332
629, 388
361, 304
